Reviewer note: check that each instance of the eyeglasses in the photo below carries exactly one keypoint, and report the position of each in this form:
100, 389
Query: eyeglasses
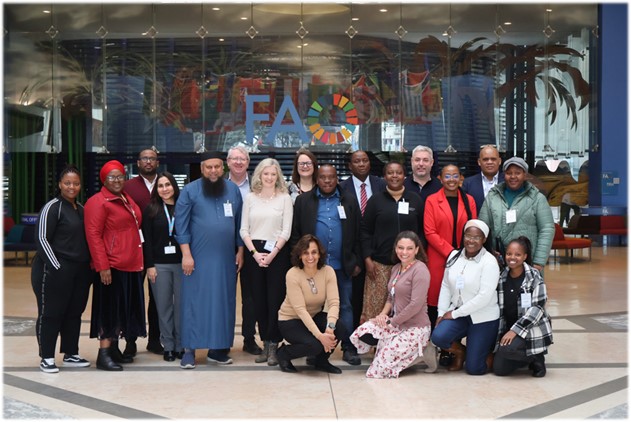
488, 146
148, 159
314, 289
474, 238
238, 159
450, 176
115, 178
305, 163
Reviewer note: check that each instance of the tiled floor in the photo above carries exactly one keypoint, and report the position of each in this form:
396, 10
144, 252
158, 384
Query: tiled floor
587, 370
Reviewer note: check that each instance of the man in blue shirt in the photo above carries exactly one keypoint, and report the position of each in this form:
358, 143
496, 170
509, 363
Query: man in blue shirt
334, 218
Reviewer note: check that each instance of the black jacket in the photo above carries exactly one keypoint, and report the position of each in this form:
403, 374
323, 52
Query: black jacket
305, 218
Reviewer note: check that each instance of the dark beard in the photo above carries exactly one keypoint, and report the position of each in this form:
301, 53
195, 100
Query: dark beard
213, 189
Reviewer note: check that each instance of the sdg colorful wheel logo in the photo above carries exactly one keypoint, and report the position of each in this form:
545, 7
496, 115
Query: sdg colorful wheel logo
341, 109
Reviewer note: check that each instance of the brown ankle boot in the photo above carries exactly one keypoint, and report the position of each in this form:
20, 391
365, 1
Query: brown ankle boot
489, 362
459, 352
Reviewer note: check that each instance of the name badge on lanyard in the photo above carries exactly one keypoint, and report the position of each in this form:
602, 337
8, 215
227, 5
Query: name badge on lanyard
227, 209
341, 212
404, 207
170, 249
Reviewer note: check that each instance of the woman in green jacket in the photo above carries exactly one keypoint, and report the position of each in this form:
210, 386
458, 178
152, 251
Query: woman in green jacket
516, 208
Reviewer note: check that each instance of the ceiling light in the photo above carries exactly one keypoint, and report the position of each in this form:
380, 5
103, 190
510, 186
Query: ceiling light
508, 23
243, 18
354, 19
548, 10
221, 40
383, 10
46, 11
216, 8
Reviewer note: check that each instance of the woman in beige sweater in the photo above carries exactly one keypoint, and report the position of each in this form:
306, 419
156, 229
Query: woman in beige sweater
301, 319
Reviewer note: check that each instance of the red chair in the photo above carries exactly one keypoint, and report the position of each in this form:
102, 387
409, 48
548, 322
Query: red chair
569, 243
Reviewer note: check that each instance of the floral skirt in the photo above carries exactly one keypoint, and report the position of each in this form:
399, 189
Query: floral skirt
397, 349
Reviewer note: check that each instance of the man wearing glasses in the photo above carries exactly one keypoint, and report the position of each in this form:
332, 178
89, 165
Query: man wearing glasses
140, 188
480, 184
238, 163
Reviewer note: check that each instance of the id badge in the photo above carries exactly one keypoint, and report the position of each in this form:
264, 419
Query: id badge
169, 250
526, 300
142, 238
227, 209
511, 216
341, 212
460, 282
269, 245
404, 207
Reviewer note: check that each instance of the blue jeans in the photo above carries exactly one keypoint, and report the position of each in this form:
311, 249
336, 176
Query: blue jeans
345, 290
480, 340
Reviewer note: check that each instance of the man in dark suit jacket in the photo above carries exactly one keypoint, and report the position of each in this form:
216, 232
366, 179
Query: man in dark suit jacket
140, 189
359, 165
480, 184
333, 217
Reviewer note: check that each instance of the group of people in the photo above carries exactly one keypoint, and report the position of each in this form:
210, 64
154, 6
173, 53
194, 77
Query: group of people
401, 264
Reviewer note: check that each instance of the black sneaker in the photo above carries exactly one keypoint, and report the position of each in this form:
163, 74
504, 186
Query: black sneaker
351, 357
218, 357
49, 368
75, 361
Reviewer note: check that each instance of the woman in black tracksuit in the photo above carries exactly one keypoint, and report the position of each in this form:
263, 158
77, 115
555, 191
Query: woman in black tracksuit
61, 274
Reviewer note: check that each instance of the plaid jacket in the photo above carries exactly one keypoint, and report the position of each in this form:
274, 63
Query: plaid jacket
533, 324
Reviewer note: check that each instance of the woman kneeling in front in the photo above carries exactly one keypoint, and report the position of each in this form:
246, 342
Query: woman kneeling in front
301, 319
467, 305
402, 328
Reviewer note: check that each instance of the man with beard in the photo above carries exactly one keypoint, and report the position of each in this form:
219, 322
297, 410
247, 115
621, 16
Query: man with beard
207, 223
140, 189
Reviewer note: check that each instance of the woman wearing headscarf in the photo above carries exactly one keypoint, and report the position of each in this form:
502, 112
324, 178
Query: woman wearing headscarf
467, 304
113, 231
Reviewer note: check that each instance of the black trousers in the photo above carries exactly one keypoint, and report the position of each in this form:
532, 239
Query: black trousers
153, 322
357, 299
512, 357
267, 290
303, 342
62, 296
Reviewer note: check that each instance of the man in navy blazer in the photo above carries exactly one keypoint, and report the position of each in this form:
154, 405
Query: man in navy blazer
359, 165
480, 184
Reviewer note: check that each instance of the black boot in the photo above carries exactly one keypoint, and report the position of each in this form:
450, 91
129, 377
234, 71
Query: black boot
104, 361
117, 356
538, 366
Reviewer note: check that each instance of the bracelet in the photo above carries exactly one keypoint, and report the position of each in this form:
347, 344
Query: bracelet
253, 251
276, 247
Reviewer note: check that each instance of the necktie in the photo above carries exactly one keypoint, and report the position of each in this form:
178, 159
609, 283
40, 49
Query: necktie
363, 198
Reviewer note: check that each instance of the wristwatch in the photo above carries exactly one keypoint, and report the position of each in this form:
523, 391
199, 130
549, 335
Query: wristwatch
331, 325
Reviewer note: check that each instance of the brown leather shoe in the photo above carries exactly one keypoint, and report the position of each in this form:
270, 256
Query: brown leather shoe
459, 352
489, 362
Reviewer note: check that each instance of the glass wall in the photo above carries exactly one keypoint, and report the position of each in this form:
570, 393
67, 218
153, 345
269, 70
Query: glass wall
115, 78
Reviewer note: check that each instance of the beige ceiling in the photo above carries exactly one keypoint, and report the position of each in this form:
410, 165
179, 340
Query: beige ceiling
180, 20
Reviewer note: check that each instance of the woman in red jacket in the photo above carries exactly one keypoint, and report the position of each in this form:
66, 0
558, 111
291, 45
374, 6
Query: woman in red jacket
112, 227
446, 213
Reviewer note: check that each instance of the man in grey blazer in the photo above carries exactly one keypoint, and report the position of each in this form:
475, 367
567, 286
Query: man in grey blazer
359, 165
480, 184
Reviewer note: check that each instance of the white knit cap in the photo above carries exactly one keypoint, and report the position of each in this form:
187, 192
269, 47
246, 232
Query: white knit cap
479, 224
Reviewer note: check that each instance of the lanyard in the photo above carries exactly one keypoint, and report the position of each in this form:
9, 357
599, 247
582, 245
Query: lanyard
396, 278
130, 209
170, 219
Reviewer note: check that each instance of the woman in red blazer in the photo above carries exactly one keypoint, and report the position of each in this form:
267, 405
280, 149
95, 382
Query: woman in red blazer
446, 213
112, 228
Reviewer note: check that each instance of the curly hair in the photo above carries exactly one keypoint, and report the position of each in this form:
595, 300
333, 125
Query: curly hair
302, 246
